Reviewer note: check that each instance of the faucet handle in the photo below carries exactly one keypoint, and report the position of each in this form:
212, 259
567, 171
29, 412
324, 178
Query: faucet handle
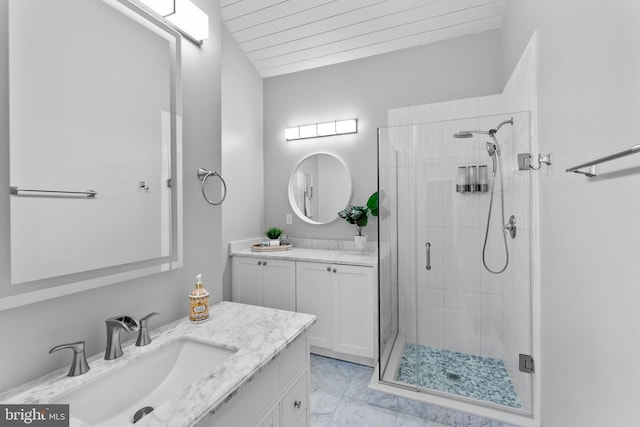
79, 365
143, 334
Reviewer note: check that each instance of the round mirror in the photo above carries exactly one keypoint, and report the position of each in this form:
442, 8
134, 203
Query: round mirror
319, 187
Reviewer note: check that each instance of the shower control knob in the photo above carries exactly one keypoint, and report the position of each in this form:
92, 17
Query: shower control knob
335, 271
259, 262
329, 269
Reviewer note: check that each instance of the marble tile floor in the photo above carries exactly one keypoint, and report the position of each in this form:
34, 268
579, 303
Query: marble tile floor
339, 398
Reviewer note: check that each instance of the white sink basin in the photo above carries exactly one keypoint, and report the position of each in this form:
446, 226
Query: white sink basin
146, 382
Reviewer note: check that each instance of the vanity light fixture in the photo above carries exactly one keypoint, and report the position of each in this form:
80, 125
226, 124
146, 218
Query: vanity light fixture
182, 15
336, 127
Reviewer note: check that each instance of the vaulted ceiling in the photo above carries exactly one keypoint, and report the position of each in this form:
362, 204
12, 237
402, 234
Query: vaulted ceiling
285, 36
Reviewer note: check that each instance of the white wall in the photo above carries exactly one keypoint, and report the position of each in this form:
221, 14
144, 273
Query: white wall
589, 104
27, 333
363, 89
242, 162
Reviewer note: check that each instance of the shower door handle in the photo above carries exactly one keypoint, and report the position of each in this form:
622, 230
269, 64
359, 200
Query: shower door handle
428, 255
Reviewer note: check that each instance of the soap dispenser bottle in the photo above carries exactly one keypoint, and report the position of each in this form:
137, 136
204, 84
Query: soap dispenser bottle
199, 302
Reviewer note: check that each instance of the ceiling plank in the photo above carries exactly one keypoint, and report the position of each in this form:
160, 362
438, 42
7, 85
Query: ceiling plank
385, 47
380, 37
291, 28
258, 51
248, 8
225, 3
297, 13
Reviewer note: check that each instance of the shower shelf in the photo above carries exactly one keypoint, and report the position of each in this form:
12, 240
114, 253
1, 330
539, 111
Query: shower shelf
591, 172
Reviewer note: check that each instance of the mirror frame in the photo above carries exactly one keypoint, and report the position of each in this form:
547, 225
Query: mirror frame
12, 296
292, 199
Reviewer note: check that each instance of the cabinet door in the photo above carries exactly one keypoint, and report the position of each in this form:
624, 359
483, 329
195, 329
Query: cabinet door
313, 296
295, 403
352, 289
246, 280
279, 284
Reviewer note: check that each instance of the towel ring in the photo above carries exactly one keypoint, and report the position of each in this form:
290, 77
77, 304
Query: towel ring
203, 175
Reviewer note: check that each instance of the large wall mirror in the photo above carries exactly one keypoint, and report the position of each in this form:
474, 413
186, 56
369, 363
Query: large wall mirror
320, 186
95, 184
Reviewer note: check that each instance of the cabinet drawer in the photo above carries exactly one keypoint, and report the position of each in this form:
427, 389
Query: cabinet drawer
294, 404
293, 360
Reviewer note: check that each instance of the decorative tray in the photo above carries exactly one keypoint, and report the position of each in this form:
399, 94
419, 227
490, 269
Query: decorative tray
259, 248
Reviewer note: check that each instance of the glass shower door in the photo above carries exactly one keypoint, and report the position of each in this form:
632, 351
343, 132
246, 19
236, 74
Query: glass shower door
461, 327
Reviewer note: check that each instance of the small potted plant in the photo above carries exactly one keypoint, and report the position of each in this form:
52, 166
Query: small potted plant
274, 236
359, 216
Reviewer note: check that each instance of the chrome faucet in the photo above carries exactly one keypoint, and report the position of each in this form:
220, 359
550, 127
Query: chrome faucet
114, 325
143, 333
79, 365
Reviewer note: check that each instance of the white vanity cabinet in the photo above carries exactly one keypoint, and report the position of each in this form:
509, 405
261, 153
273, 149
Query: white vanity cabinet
278, 396
343, 298
339, 287
264, 282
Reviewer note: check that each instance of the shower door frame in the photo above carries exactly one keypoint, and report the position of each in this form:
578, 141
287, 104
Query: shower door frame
532, 245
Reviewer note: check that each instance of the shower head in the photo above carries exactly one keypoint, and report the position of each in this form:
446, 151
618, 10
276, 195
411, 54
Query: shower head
490, 132
469, 133
463, 134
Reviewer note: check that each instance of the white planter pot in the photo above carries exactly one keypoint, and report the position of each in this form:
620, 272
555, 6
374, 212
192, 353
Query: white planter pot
274, 242
361, 241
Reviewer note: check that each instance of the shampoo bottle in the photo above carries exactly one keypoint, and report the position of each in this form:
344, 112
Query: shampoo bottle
199, 302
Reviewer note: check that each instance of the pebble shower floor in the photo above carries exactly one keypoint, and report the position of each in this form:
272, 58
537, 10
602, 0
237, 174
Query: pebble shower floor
482, 378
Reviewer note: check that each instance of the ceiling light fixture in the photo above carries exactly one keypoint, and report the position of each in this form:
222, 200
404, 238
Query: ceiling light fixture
337, 127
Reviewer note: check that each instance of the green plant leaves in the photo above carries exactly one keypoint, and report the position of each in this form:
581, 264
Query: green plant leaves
372, 204
273, 233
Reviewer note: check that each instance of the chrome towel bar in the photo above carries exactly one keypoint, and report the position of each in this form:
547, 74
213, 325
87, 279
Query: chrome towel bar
16, 192
591, 165
203, 175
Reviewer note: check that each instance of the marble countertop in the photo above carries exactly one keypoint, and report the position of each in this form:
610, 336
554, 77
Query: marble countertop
369, 259
258, 333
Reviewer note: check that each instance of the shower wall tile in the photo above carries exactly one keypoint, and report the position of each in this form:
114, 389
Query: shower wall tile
491, 105
461, 260
388, 152
401, 141
431, 317
490, 283
425, 113
406, 256
491, 306
521, 190
430, 186
461, 150
406, 196
399, 116
461, 108
460, 209
428, 143
407, 297
495, 256
462, 321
